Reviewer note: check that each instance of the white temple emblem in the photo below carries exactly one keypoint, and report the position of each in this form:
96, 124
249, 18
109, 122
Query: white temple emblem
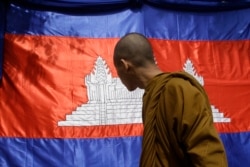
110, 103
189, 68
217, 115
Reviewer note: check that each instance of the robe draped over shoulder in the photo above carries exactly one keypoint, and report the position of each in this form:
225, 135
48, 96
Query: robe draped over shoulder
178, 124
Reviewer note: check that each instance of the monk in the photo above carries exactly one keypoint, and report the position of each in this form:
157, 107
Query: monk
176, 113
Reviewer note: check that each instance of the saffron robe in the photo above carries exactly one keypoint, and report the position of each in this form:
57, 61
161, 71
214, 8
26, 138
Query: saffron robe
178, 124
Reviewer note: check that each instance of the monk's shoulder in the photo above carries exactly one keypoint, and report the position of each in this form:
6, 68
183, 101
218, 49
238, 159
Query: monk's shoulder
177, 82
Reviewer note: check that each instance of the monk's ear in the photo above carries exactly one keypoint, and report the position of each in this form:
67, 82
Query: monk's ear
125, 64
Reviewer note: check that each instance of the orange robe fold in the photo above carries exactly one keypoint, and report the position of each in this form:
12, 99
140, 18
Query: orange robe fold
178, 125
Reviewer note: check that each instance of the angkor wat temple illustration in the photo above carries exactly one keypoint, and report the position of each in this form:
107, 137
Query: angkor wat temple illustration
110, 103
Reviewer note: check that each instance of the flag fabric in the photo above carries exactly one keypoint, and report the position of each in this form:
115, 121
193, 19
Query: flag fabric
62, 103
2, 26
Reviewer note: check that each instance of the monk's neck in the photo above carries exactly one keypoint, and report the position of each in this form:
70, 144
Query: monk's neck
145, 75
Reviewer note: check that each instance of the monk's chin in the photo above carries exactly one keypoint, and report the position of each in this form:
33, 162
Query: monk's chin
131, 89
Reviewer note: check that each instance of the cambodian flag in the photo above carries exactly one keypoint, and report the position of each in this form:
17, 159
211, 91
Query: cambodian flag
63, 105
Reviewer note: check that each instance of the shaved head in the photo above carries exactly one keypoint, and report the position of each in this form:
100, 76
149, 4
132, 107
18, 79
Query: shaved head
134, 61
135, 48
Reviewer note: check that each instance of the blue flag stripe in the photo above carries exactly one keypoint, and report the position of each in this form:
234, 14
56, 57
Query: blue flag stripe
153, 22
122, 152
2, 31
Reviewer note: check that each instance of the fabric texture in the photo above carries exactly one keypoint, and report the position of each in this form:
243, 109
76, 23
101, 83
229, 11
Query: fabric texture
48, 55
178, 124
